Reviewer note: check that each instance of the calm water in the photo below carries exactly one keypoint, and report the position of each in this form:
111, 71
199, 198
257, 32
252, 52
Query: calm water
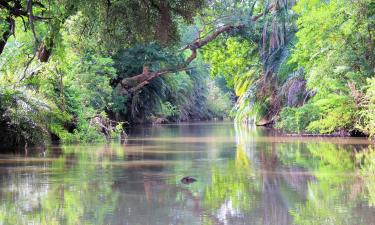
245, 176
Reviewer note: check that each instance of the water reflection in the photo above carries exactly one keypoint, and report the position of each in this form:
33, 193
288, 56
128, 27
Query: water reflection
245, 176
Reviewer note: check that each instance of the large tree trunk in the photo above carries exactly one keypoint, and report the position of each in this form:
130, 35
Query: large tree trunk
165, 26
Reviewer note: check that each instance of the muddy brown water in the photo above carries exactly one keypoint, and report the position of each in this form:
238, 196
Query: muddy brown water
245, 175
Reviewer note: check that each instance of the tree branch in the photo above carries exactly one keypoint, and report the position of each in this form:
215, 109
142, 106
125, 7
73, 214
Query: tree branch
132, 84
16, 10
31, 21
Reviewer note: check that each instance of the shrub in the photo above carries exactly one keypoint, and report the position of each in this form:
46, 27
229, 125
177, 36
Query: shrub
337, 113
293, 119
167, 110
26, 116
366, 121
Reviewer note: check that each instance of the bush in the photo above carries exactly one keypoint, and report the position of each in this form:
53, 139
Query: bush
337, 113
26, 116
366, 121
168, 111
297, 119
327, 115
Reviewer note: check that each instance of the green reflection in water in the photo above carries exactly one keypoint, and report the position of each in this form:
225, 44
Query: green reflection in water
244, 176
341, 191
78, 193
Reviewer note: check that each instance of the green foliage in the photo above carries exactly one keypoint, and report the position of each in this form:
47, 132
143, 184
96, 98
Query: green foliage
80, 82
236, 59
181, 87
292, 119
333, 48
337, 114
218, 101
232, 59
123, 23
168, 110
142, 105
248, 108
318, 55
55, 97
130, 61
26, 116
176, 97
366, 121
286, 68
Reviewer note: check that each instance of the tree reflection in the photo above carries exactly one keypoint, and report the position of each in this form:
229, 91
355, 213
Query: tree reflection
294, 182
80, 193
249, 178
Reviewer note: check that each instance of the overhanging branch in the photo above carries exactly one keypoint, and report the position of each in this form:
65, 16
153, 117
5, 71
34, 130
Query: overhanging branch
17, 10
135, 83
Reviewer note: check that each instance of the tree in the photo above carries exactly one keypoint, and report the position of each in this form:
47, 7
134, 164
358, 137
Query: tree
335, 48
134, 83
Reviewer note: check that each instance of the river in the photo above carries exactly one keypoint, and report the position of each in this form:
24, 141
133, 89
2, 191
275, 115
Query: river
245, 175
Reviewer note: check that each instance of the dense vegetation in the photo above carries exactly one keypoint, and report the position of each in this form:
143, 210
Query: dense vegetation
81, 70
309, 69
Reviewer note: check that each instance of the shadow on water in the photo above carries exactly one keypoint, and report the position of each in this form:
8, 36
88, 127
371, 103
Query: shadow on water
244, 176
